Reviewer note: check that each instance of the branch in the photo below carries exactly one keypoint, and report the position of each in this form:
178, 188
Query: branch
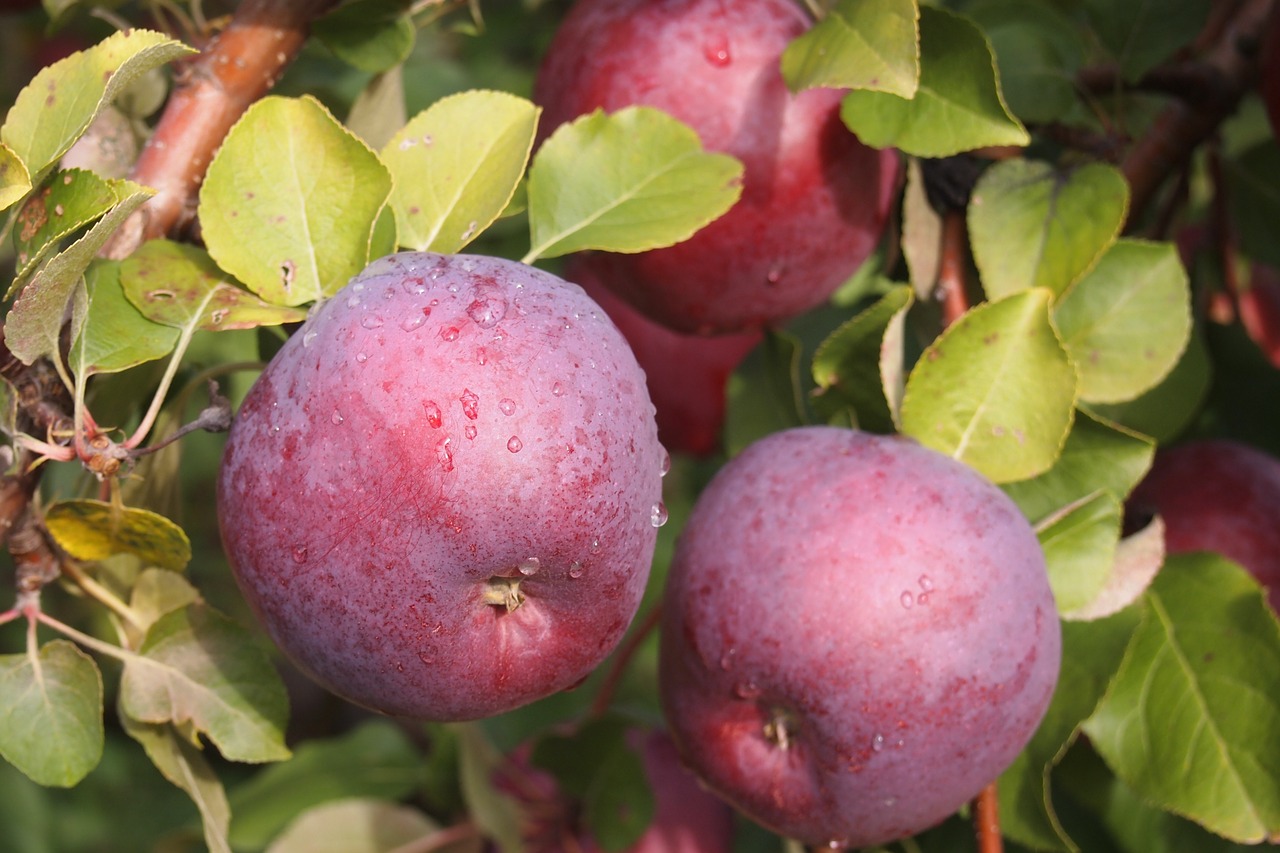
986, 819
239, 66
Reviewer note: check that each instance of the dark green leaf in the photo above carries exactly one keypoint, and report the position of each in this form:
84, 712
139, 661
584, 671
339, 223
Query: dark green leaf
372, 35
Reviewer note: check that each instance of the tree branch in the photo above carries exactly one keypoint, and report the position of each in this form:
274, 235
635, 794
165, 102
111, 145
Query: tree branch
238, 67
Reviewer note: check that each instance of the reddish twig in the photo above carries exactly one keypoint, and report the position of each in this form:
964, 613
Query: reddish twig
238, 67
622, 659
953, 268
986, 820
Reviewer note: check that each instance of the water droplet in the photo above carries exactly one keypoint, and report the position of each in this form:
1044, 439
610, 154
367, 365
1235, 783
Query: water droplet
469, 431
530, 566
514, 444
726, 659
774, 275
361, 357
716, 50
747, 690
444, 454
432, 412
507, 406
487, 309
665, 467
557, 390
413, 286
575, 570
877, 743
414, 321
371, 321
922, 599
336, 418
308, 337
658, 515
470, 404
353, 301
449, 333
837, 844
299, 554
925, 583
426, 658
906, 600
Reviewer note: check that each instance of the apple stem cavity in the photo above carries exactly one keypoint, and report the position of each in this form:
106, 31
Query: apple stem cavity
503, 592
779, 728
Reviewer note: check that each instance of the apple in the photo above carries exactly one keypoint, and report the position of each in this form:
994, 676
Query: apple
686, 817
858, 635
814, 200
687, 374
1258, 306
440, 496
1218, 495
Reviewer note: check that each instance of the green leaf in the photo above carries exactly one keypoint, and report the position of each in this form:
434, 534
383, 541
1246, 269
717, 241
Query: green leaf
157, 592
371, 35
1192, 721
55, 108
185, 766
860, 44
854, 367
1097, 456
619, 803
378, 112
1143, 33
95, 530
765, 392
1080, 547
958, 106
456, 165
1139, 557
374, 760
1253, 191
51, 713
628, 182
110, 334
355, 826
34, 324
1127, 322
15, 182
496, 814
1091, 655
995, 390
198, 668
295, 226
180, 286
1032, 225
1039, 51
69, 201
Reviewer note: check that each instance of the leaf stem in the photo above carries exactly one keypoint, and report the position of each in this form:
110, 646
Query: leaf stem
162, 391
9, 615
103, 595
104, 648
952, 285
986, 819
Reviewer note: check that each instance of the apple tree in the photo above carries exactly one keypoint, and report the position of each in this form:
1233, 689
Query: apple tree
646, 425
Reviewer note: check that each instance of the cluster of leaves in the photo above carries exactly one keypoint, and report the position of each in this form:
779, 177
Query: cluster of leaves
1079, 353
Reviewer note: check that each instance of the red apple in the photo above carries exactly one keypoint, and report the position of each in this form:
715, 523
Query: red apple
814, 200
858, 635
687, 374
1222, 496
1259, 309
440, 496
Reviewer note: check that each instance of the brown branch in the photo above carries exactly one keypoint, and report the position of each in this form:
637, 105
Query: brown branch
952, 288
986, 820
237, 68
1232, 60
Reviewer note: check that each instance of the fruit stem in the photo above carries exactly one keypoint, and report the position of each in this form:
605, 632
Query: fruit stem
952, 287
986, 820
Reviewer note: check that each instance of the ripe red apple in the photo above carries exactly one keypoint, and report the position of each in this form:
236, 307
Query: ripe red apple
1259, 310
814, 199
687, 374
440, 496
858, 635
1219, 495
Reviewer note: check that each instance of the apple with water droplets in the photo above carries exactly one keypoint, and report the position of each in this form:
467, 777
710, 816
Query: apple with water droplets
814, 199
440, 496
858, 635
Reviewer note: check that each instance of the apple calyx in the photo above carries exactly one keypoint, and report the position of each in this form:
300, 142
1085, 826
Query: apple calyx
503, 592
779, 727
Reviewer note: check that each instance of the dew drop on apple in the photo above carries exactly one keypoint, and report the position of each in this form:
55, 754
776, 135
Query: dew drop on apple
432, 411
877, 743
470, 404
308, 337
414, 321
726, 659
664, 467
595, 545
470, 432
362, 357
658, 515
449, 333
747, 690
575, 570
371, 321
837, 844
353, 301
487, 310
514, 444
507, 406
336, 418
906, 600
444, 453
557, 390
299, 554
530, 566
716, 50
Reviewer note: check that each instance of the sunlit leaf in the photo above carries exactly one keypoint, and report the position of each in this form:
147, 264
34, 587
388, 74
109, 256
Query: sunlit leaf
15, 182
51, 713
110, 334
354, 826
68, 202
1080, 547
1138, 558
860, 44
95, 530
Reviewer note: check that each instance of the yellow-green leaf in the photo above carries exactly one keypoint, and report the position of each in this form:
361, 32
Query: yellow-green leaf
95, 530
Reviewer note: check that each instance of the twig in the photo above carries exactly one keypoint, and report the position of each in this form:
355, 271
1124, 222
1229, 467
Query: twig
986, 819
952, 287
622, 659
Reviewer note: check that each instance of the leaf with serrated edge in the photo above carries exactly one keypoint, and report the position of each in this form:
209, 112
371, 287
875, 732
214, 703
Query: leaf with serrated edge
55, 108
995, 390
183, 764
456, 166
69, 201
51, 713
1192, 720
95, 530
1127, 322
860, 44
14, 180
198, 668
1032, 225
847, 366
295, 226
180, 286
628, 182
1139, 557
958, 106
356, 825
34, 323
1079, 548
109, 333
